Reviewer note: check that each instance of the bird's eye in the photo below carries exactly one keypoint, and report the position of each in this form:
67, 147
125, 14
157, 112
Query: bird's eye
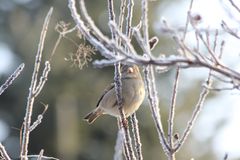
130, 70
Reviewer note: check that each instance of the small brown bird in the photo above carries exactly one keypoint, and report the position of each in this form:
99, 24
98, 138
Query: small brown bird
133, 94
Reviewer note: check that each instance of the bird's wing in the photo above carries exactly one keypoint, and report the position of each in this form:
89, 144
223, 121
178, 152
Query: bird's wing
108, 88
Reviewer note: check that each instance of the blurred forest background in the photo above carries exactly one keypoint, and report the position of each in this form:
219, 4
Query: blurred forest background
71, 92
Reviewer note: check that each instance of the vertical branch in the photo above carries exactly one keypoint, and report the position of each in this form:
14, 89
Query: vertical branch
136, 135
153, 100
129, 18
111, 16
122, 14
215, 40
4, 153
118, 89
150, 80
172, 114
145, 22
33, 89
187, 21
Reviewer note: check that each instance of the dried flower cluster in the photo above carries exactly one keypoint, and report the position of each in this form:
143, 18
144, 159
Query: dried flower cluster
82, 56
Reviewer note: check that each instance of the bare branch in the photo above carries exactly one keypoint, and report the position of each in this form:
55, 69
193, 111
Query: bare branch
144, 20
4, 153
206, 43
86, 31
129, 18
136, 134
43, 79
188, 20
178, 61
45, 157
32, 90
10, 79
124, 38
118, 89
222, 88
232, 32
234, 5
39, 119
40, 155
172, 114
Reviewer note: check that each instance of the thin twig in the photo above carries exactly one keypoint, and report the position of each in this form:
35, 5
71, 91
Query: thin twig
234, 5
4, 153
10, 79
123, 120
136, 135
45, 157
221, 49
91, 23
172, 114
121, 19
61, 35
118, 89
111, 16
39, 119
229, 30
223, 88
215, 41
43, 79
129, 18
141, 42
124, 38
187, 21
40, 156
144, 20
216, 60
150, 78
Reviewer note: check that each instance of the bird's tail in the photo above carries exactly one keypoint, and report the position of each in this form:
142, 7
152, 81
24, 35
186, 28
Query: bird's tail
92, 116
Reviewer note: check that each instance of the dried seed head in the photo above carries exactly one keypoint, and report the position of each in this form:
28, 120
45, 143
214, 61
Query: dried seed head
82, 56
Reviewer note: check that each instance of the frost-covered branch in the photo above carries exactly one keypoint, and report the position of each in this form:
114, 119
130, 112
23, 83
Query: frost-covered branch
136, 134
35, 88
10, 79
172, 115
3, 153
